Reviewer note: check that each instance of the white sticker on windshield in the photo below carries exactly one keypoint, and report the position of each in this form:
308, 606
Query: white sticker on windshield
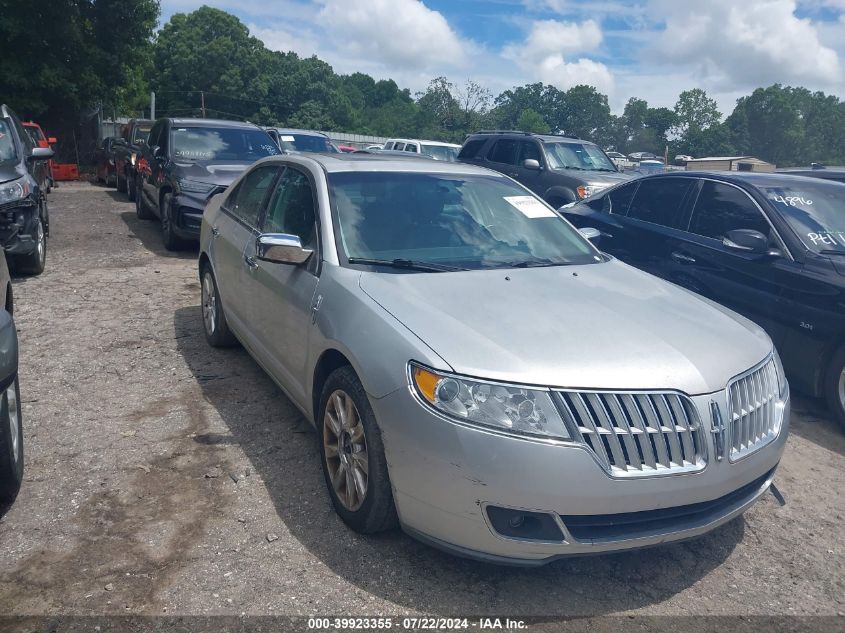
827, 238
288, 139
530, 206
793, 201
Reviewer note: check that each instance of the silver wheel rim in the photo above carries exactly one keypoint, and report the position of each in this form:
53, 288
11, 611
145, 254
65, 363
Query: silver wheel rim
209, 304
841, 389
42, 241
14, 420
345, 447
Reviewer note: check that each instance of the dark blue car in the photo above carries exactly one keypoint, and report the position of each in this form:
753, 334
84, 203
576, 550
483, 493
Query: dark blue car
769, 246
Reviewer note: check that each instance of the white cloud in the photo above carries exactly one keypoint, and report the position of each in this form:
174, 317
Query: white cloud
543, 54
404, 34
729, 44
304, 44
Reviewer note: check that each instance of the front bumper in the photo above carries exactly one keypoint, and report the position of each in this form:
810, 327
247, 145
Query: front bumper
187, 209
17, 227
446, 476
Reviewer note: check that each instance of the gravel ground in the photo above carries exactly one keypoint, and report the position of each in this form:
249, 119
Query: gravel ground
166, 477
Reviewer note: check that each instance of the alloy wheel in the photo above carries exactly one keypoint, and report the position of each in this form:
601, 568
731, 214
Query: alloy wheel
841, 389
14, 420
41, 239
345, 448
209, 304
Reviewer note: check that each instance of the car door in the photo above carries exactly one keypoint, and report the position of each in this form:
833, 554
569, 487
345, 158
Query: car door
148, 164
605, 213
651, 229
503, 157
530, 150
747, 283
283, 295
236, 229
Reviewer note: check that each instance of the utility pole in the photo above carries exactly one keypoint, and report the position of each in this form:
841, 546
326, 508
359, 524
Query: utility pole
202, 99
153, 106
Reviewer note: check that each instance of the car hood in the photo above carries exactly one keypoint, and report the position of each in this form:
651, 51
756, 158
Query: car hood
212, 173
600, 326
10, 170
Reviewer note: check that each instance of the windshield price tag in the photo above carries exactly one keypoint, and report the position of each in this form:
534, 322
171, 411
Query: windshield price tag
287, 138
530, 206
793, 201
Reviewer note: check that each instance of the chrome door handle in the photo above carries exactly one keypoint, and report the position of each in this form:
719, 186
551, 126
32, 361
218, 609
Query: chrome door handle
215, 232
681, 258
250, 262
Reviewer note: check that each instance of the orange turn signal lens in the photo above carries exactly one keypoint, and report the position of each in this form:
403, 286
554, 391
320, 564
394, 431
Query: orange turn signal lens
426, 383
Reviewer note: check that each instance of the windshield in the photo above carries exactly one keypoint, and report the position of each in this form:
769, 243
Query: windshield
34, 133
465, 221
577, 156
7, 145
306, 143
814, 210
441, 152
141, 133
220, 143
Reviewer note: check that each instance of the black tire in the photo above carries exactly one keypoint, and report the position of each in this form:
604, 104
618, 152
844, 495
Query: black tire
377, 512
141, 209
121, 184
34, 262
11, 444
131, 188
834, 386
172, 242
214, 322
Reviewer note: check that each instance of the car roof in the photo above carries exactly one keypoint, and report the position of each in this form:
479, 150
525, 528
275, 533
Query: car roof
545, 138
756, 179
335, 163
192, 122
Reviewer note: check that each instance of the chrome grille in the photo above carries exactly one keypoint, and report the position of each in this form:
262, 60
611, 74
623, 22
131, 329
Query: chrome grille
637, 434
755, 410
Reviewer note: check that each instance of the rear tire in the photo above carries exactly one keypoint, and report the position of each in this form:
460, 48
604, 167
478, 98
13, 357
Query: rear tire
172, 242
834, 387
352, 455
214, 322
11, 443
34, 262
141, 209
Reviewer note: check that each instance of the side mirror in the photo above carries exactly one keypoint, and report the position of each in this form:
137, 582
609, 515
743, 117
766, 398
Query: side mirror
157, 151
590, 233
747, 241
281, 248
41, 153
52, 140
531, 163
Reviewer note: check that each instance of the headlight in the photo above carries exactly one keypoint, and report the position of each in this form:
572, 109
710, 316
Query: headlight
509, 408
585, 191
194, 186
132, 158
14, 190
782, 384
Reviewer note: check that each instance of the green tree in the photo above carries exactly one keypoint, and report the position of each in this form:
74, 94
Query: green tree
532, 121
585, 113
695, 111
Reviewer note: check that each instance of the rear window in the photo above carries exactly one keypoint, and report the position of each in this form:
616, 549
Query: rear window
141, 133
472, 148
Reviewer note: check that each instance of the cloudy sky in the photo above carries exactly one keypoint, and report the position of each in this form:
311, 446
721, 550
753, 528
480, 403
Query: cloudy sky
652, 49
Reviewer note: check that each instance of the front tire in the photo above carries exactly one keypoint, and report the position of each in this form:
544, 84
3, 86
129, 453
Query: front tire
172, 242
834, 387
352, 454
11, 443
34, 262
214, 322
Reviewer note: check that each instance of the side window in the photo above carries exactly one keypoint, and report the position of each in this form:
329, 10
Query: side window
619, 199
529, 151
658, 200
291, 208
245, 201
388, 145
399, 146
504, 151
721, 208
472, 148
164, 138
411, 147
154, 134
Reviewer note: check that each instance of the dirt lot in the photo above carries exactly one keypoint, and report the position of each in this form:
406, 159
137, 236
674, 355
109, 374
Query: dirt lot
166, 477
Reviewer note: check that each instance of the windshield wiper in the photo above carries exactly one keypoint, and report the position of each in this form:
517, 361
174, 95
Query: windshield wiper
533, 263
603, 169
408, 264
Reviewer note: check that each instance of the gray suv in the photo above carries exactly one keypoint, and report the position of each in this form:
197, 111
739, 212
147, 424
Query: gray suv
477, 371
559, 169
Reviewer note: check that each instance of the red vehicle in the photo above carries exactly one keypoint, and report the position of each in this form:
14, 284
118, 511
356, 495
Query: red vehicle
347, 149
44, 173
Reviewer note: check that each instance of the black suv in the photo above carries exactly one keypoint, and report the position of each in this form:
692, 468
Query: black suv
185, 162
24, 221
126, 150
559, 169
769, 246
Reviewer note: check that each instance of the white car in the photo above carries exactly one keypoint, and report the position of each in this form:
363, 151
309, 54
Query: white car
436, 149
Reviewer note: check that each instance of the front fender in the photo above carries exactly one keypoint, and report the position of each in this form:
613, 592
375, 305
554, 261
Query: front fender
559, 192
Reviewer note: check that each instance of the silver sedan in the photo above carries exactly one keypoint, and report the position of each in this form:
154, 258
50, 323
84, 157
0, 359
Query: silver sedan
477, 371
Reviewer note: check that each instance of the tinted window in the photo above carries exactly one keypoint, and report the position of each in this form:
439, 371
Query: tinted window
528, 150
505, 151
245, 201
140, 134
721, 208
619, 199
472, 148
658, 200
291, 208
155, 133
